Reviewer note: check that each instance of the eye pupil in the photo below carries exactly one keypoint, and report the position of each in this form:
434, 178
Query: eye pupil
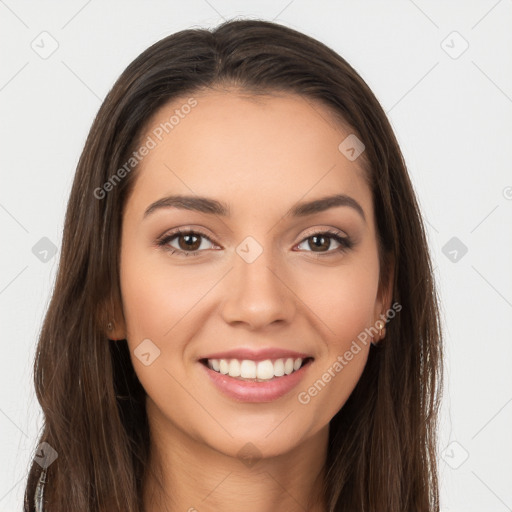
320, 245
192, 245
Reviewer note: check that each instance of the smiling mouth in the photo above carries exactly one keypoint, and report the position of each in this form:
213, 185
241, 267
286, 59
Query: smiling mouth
256, 371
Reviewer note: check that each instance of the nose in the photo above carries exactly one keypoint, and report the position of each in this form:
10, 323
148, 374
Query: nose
257, 295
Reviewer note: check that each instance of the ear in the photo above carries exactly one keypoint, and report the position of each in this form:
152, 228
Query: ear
385, 293
116, 329
111, 318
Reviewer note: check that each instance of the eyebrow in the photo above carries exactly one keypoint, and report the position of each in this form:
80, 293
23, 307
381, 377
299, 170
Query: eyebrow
214, 207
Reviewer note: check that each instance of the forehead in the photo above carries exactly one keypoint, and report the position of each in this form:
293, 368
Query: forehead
282, 148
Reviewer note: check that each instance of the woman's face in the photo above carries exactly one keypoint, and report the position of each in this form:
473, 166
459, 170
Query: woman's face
259, 277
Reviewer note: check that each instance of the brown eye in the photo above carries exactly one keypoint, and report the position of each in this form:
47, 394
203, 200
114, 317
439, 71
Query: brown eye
321, 243
188, 242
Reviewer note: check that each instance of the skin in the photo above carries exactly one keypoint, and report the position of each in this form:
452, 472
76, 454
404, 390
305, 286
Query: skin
261, 156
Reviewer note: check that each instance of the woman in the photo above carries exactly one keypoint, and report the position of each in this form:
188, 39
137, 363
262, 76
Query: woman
244, 315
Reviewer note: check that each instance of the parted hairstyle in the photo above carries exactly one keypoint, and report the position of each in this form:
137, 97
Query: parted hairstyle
382, 442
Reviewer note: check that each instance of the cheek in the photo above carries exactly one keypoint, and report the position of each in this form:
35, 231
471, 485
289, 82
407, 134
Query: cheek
156, 297
157, 304
161, 303
342, 299
343, 302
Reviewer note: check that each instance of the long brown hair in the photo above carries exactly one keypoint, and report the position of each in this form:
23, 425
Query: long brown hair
382, 443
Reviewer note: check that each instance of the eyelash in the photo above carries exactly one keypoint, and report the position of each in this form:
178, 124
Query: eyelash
345, 242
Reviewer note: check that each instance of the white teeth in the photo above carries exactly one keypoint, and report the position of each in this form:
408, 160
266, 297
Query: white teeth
247, 369
223, 366
265, 370
261, 370
234, 368
279, 368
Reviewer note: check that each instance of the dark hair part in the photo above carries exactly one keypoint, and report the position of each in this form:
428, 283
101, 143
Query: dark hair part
382, 443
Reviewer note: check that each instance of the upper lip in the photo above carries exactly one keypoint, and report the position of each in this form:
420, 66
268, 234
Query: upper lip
257, 355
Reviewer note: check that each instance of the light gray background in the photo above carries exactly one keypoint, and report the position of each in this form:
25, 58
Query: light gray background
452, 115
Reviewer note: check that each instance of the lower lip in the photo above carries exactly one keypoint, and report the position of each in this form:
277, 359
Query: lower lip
250, 391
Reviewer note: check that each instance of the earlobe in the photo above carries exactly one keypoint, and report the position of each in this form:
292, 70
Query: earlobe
111, 321
115, 332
